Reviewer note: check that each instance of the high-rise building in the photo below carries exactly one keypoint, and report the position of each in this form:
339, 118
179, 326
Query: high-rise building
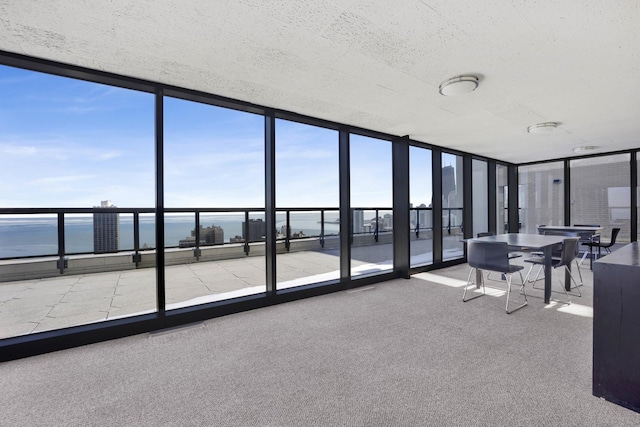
257, 230
213, 235
358, 221
424, 217
106, 229
448, 185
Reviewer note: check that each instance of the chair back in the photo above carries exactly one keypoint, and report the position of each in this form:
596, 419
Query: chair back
556, 251
491, 256
614, 235
569, 251
484, 234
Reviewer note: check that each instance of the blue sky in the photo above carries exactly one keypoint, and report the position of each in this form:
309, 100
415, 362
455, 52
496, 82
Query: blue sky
71, 143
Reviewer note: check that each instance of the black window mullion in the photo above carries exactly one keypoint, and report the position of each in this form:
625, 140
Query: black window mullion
567, 193
401, 244
270, 201
492, 194
436, 174
345, 207
159, 163
513, 203
467, 196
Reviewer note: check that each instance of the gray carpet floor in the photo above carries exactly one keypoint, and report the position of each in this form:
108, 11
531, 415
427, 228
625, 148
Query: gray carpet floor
399, 353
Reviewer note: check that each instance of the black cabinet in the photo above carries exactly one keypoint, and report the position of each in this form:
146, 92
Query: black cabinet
616, 327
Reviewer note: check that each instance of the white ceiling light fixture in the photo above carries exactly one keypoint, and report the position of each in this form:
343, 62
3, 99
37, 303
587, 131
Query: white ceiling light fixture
547, 127
459, 85
585, 149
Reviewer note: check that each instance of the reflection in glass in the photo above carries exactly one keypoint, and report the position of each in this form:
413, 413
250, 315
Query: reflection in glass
307, 198
541, 196
371, 206
420, 206
214, 159
600, 194
28, 236
502, 197
480, 196
73, 144
452, 205
79, 235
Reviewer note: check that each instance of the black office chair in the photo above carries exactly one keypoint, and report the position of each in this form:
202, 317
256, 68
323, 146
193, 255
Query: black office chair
512, 255
566, 256
492, 256
603, 245
556, 254
587, 237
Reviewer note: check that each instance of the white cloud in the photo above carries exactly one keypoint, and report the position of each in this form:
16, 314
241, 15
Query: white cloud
109, 155
56, 180
17, 150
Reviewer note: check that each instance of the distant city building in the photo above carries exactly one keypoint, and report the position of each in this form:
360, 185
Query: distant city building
358, 221
388, 222
282, 233
448, 185
257, 230
188, 242
383, 223
213, 235
106, 229
425, 217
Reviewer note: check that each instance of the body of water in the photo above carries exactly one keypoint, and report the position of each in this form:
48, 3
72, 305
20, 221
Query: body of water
38, 236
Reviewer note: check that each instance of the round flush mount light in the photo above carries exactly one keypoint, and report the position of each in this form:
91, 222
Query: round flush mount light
585, 149
459, 85
547, 127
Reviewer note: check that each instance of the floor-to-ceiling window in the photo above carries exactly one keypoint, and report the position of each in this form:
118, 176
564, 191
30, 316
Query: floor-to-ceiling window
78, 157
452, 206
502, 199
307, 200
420, 206
79, 192
541, 195
480, 196
214, 197
371, 205
601, 193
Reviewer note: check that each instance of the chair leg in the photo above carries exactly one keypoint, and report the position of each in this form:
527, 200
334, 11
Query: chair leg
584, 256
540, 270
564, 289
509, 294
470, 282
577, 285
579, 273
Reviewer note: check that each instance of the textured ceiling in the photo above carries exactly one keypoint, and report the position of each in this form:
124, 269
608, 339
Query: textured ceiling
375, 64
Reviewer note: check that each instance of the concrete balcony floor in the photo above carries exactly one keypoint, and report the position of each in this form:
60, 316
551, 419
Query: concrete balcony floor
46, 303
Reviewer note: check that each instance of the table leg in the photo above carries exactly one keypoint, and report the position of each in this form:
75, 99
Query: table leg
567, 277
547, 274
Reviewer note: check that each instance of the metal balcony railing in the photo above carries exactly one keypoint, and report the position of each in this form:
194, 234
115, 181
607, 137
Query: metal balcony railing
374, 221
